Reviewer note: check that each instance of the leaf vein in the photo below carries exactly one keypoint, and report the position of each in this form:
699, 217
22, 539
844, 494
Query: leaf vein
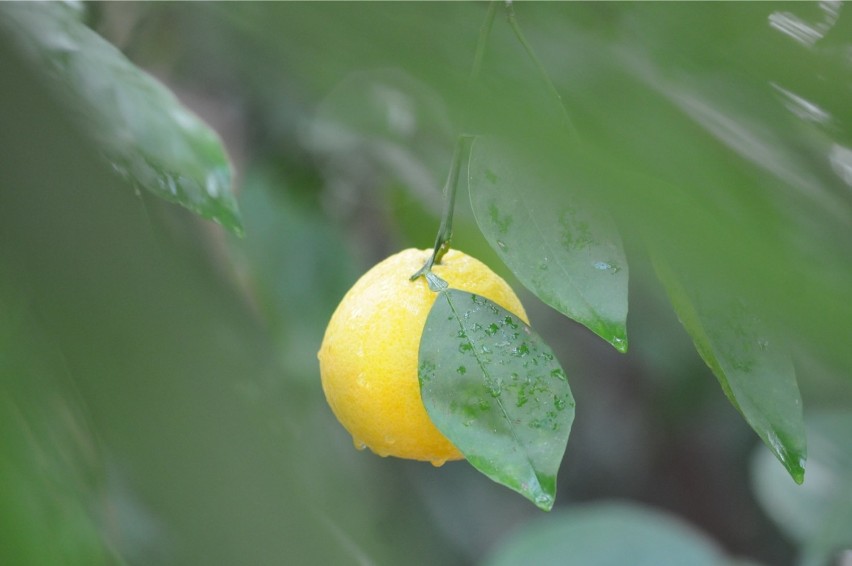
497, 399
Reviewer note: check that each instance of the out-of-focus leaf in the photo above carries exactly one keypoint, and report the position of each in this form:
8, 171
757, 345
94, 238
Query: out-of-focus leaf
608, 534
751, 363
559, 246
817, 514
400, 123
283, 233
51, 502
496, 390
141, 128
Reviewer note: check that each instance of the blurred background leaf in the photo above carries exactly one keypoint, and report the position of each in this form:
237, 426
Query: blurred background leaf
607, 534
147, 136
52, 476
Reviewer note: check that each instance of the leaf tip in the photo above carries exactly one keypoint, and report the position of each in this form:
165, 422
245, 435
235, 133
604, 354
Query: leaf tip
619, 342
614, 333
793, 460
544, 502
796, 468
237, 230
542, 491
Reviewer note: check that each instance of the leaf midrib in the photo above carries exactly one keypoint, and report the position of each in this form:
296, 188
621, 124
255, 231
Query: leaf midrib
497, 399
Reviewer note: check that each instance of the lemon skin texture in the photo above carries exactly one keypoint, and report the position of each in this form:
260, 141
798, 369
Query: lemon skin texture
368, 358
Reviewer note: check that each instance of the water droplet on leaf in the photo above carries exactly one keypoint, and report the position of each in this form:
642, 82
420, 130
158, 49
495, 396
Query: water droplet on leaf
619, 343
521, 350
543, 499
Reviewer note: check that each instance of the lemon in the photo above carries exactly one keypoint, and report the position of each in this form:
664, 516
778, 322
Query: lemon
368, 357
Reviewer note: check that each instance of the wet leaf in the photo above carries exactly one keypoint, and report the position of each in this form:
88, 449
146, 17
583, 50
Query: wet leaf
560, 247
496, 390
608, 534
818, 513
144, 132
751, 363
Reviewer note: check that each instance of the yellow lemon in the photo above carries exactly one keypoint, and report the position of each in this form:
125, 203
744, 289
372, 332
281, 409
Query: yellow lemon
368, 357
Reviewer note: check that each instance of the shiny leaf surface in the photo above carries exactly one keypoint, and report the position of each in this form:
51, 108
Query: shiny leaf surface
561, 247
496, 390
751, 363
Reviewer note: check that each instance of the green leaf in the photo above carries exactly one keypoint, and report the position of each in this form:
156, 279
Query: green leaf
283, 231
52, 494
141, 128
496, 390
752, 365
608, 534
565, 251
818, 513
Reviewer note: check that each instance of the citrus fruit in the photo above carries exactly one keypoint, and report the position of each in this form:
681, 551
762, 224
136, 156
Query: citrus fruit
368, 357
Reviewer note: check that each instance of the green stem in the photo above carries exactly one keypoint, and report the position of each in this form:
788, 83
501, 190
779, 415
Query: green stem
460, 154
513, 22
482, 41
445, 231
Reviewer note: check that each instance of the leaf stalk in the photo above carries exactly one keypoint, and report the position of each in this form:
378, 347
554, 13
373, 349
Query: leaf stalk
460, 153
445, 230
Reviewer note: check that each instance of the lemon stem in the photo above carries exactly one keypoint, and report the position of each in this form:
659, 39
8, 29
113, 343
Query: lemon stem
482, 41
445, 230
